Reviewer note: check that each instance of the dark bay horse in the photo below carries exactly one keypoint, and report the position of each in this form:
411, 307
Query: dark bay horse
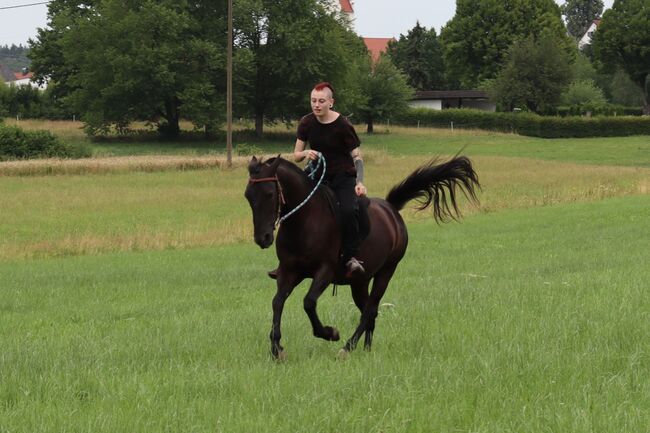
308, 243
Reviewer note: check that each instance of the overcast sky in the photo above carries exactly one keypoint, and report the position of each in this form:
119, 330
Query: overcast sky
374, 18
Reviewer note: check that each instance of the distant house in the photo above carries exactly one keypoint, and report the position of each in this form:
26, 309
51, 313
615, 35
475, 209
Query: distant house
346, 6
444, 99
376, 46
23, 78
589, 34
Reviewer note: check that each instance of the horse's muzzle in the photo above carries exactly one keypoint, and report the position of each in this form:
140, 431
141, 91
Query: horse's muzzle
264, 240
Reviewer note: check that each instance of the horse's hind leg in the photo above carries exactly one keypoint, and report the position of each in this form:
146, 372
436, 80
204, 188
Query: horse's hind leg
318, 285
360, 293
369, 313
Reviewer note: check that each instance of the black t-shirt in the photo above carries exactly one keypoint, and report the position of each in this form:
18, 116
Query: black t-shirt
334, 140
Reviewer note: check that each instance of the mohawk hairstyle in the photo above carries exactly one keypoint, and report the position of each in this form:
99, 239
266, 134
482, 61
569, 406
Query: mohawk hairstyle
324, 85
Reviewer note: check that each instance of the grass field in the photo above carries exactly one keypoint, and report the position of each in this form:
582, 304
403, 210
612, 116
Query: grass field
134, 300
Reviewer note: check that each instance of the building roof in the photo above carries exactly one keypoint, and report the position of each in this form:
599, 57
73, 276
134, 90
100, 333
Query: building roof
376, 46
21, 76
346, 6
449, 94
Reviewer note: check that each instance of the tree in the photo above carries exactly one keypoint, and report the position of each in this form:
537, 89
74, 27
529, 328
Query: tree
623, 91
477, 39
120, 61
535, 75
623, 40
583, 92
288, 46
419, 56
384, 89
579, 15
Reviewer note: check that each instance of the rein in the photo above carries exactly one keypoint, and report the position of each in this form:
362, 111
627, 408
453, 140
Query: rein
281, 201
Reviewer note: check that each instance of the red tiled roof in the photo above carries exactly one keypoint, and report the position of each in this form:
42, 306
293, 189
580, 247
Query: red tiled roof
376, 46
346, 6
21, 76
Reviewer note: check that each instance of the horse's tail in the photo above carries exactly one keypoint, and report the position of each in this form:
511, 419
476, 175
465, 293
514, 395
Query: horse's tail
435, 184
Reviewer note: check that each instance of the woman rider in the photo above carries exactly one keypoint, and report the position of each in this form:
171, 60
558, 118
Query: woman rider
330, 133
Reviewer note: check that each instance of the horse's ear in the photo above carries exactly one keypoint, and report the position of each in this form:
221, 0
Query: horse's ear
254, 165
276, 163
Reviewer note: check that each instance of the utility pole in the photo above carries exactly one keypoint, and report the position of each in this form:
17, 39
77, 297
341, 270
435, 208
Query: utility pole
229, 89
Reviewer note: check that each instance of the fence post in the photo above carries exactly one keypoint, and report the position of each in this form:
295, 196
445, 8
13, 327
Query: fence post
452, 126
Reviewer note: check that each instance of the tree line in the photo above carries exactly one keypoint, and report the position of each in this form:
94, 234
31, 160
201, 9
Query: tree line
115, 61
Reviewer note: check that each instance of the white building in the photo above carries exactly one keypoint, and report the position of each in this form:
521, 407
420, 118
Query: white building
589, 34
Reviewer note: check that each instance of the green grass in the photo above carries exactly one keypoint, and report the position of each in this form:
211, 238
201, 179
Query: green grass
522, 320
631, 151
137, 302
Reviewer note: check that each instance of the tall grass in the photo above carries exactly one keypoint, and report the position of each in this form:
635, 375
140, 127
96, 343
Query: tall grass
133, 211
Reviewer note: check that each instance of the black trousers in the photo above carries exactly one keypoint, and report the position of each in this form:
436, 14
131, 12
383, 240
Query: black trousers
343, 186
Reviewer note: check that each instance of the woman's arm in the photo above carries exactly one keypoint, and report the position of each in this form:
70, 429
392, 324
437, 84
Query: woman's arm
299, 152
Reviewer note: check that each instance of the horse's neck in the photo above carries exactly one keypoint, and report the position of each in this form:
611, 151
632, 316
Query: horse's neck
296, 188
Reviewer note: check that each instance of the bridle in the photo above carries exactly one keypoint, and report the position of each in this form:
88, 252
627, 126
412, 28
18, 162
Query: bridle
281, 201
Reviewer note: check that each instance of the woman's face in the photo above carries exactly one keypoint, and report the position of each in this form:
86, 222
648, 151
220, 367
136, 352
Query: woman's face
321, 102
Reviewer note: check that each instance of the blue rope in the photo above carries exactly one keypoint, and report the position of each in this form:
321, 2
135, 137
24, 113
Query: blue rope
311, 175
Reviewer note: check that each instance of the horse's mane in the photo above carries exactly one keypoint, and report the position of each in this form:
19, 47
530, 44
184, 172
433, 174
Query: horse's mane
290, 166
285, 163
324, 191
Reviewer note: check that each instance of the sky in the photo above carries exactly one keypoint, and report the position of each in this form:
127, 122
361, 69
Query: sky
374, 18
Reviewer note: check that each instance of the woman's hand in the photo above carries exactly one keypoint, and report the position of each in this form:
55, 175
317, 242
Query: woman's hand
360, 189
312, 154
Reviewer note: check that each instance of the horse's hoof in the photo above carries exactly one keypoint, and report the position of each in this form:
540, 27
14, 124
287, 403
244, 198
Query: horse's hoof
343, 355
332, 334
281, 356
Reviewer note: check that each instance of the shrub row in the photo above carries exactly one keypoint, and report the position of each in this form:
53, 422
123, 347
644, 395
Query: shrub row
18, 144
527, 123
597, 110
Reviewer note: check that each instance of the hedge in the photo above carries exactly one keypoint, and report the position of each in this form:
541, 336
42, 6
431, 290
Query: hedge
527, 123
16, 143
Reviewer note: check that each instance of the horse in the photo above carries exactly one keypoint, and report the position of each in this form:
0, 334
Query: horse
308, 241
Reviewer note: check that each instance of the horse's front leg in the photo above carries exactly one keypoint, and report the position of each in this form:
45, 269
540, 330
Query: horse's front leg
321, 280
286, 282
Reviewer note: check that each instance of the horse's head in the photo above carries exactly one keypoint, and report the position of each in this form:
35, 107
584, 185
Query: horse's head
264, 195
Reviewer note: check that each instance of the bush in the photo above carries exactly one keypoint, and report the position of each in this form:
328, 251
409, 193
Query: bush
244, 149
18, 144
527, 123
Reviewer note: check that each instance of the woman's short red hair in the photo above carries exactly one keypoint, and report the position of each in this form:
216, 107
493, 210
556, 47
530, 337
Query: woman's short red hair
324, 85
